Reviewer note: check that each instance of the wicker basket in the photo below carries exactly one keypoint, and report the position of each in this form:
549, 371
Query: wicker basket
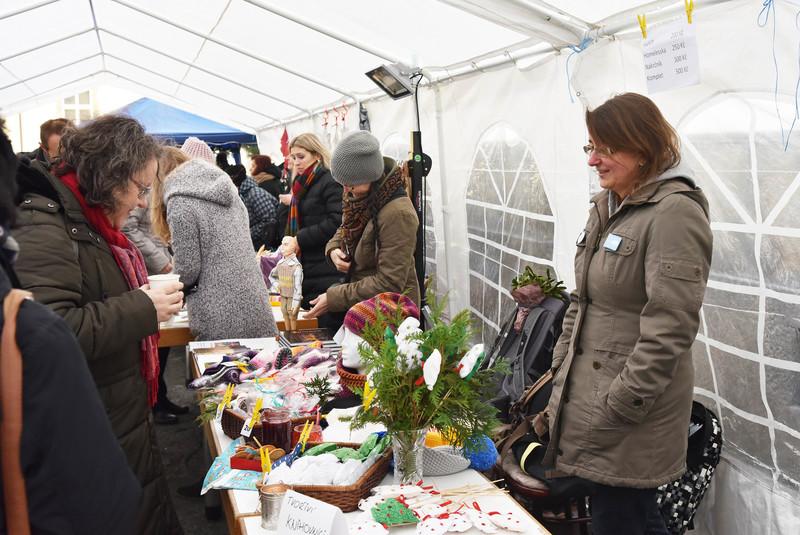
349, 380
232, 425
347, 497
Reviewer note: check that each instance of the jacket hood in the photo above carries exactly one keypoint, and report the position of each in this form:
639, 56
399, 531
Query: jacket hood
198, 179
677, 179
33, 178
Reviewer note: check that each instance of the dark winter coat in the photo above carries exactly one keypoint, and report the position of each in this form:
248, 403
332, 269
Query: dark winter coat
271, 183
384, 256
262, 211
69, 267
320, 217
622, 389
77, 478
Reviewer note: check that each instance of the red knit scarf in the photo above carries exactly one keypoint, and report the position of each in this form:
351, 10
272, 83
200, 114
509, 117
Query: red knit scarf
299, 189
131, 264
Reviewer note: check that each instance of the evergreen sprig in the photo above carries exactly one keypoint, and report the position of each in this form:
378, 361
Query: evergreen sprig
320, 387
549, 286
456, 407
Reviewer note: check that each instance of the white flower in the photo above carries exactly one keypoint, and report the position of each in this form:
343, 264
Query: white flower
408, 342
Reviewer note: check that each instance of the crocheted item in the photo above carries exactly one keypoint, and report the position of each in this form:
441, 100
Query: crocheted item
471, 361
481, 453
365, 311
443, 461
283, 357
196, 148
392, 512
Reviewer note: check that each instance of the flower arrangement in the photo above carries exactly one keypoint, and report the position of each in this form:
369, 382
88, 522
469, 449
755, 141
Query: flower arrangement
418, 380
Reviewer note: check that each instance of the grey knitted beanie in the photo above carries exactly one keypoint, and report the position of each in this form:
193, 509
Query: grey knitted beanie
357, 159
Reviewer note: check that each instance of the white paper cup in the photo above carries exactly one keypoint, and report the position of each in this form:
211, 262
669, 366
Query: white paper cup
161, 281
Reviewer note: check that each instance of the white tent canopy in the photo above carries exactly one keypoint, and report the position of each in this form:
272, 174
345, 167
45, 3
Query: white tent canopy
501, 111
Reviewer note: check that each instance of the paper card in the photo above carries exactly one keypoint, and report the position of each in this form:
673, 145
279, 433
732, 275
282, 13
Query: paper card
670, 56
303, 515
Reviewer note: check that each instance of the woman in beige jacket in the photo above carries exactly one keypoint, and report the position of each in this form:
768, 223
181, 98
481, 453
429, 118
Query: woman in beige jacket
622, 390
375, 244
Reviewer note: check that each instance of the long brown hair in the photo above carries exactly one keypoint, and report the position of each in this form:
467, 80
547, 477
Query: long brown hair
633, 123
171, 158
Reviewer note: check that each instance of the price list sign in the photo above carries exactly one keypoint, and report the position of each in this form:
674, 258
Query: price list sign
670, 57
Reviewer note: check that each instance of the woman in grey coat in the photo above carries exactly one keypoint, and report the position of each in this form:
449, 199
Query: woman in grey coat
226, 294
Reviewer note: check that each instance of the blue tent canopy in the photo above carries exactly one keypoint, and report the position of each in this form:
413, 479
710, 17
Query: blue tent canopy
167, 122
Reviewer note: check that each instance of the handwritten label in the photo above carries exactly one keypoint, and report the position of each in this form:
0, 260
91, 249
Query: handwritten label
670, 57
302, 515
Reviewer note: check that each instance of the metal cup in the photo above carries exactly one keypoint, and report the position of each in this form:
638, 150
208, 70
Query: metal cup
271, 500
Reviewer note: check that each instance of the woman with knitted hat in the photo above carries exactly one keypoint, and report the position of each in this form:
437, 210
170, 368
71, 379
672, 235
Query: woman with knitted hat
375, 245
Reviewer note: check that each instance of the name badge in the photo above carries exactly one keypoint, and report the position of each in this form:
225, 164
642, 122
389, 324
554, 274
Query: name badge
612, 242
581, 238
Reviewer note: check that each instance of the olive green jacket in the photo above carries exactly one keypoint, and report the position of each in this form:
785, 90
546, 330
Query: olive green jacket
622, 389
384, 256
70, 268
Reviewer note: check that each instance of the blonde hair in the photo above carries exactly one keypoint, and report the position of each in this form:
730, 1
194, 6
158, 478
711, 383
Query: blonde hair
312, 144
171, 158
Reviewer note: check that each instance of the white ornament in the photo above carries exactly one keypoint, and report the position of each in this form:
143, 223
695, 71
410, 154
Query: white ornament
468, 361
431, 368
459, 523
433, 526
368, 527
507, 521
481, 521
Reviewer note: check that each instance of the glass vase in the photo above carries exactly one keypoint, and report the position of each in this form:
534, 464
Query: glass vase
408, 448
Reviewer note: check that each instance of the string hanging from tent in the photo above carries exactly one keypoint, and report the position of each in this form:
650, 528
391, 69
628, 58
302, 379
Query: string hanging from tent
585, 42
767, 7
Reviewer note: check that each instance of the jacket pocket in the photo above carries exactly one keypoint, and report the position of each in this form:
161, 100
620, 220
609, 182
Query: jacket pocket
681, 283
622, 265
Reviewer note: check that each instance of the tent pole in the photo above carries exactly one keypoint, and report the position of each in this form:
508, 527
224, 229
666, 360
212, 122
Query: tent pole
203, 70
44, 45
223, 99
229, 46
365, 47
29, 8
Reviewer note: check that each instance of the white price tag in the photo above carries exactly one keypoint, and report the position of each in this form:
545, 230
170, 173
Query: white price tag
670, 57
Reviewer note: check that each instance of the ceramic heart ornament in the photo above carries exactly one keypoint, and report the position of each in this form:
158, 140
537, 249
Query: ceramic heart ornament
393, 513
459, 523
471, 361
431, 368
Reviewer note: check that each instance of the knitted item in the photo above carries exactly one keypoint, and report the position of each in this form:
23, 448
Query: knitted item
482, 453
443, 461
392, 512
364, 312
196, 148
357, 159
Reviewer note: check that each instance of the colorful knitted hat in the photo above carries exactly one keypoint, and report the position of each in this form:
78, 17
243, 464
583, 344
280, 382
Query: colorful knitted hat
196, 148
364, 312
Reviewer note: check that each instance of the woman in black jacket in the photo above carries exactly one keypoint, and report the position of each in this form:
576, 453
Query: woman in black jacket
313, 215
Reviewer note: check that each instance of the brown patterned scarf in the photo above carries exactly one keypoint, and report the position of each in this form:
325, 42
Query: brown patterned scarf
356, 213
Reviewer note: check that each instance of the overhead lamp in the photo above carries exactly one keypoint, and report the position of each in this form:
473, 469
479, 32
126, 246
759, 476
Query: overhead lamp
399, 80
394, 79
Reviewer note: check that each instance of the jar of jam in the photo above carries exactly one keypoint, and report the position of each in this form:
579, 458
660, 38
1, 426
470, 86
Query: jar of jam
277, 428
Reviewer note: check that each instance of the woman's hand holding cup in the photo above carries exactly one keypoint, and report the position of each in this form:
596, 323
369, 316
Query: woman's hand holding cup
164, 292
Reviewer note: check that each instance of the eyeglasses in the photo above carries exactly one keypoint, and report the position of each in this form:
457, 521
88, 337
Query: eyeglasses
600, 151
143, 190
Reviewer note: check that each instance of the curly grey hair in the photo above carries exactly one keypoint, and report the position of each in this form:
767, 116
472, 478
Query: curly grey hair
105, 154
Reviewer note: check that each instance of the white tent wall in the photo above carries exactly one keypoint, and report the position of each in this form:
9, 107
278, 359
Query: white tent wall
746, 356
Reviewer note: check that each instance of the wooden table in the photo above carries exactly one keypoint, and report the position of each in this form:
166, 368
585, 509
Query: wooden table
176, 333
242, 508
